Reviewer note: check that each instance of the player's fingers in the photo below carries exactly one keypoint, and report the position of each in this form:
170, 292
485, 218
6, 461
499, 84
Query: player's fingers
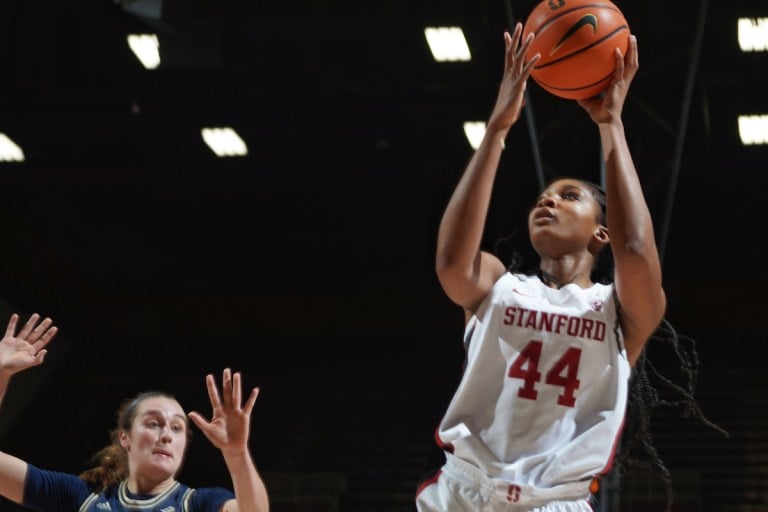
248, 407
43, 340
509, 55
526, 71
633, 54
40, 356
213, 393
226, 386
198, 420
237, 394
516, 37
11, 328
618, 72
38, 331
28, 326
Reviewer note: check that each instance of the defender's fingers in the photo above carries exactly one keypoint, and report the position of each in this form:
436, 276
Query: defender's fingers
29, 325
248, 407
213, 392
43, 340
11, 328
40, 329
226, 385
237, 393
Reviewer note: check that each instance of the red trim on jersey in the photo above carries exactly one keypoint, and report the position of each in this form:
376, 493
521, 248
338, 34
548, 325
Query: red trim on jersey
609, 464
440, 443
429, 481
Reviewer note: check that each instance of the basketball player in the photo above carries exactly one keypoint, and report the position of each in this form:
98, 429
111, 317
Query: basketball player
541, 403
137, 471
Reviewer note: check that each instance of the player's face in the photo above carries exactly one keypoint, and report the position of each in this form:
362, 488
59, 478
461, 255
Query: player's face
564, 218
157, 440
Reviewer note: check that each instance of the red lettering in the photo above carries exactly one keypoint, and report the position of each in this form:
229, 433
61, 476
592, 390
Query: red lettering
573, 326
531, 323
546, 321
509, 315
560, 321
522, 311
600, 331
513, 493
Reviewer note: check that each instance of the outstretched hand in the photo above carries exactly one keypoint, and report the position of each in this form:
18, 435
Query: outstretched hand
511, 97
229, 426
27, 348
609, 105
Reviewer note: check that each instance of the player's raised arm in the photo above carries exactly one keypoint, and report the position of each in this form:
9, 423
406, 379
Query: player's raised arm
228, 430
465, 272
17, 353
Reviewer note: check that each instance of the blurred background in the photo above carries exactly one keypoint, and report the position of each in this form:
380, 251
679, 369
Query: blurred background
306, 260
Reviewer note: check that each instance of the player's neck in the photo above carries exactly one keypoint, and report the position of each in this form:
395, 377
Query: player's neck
560, 281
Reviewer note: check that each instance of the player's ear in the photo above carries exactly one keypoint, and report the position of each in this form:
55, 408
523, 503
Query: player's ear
600, 239
601, 233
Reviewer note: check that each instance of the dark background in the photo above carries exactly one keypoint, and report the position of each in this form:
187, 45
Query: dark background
308, 264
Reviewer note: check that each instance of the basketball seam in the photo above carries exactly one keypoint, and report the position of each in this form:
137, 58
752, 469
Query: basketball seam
560, 15
587, 86
585, 48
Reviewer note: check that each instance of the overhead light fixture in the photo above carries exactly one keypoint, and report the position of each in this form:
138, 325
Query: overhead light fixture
9, 150
753, 129
753, 34
224, 141
474, 130
447, 44
146, 47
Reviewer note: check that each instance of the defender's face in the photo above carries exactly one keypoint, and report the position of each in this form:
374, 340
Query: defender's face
157, 439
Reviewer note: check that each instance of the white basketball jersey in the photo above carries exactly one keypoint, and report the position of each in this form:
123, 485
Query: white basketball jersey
543, 394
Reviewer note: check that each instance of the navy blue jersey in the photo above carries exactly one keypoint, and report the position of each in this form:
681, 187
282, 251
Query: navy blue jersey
52, 491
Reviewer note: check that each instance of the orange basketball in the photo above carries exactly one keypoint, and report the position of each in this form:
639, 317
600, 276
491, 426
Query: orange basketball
576, 40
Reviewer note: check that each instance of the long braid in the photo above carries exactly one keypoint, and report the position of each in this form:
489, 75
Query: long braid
644, 397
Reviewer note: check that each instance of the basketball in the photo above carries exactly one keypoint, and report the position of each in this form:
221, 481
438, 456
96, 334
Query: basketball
576, 40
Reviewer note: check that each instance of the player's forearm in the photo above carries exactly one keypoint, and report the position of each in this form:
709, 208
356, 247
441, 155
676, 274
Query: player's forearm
629, 218
462, 224
250, 491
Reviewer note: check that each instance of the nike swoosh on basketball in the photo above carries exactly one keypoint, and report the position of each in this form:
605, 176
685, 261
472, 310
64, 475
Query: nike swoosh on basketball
587, 19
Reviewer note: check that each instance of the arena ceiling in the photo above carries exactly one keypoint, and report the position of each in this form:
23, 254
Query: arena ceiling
127, 229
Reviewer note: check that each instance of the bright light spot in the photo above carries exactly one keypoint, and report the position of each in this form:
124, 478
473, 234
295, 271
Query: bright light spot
224, 141
146, 47
753, 34
447, 44
753, 129
9, 151
474, 130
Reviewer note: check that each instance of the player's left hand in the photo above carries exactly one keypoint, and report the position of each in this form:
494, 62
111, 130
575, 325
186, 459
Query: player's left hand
229, 426
608, 106
27, 348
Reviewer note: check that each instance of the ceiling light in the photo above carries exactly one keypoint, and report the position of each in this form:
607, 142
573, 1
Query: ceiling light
9, 151
753, 34
447, 44
753, 129
224, 141
146, 48
474, 130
